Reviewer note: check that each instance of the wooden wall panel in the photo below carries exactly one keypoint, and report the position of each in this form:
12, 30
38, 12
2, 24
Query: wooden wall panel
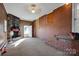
3, 16
57, 22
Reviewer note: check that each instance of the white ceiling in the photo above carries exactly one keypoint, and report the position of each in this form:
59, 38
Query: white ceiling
22, 10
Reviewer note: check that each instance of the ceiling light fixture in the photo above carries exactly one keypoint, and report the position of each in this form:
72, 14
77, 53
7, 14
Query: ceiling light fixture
66, 3
33, 8
33, 11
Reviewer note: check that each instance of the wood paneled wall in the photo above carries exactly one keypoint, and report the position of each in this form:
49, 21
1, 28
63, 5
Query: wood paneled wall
3, 16
57, 22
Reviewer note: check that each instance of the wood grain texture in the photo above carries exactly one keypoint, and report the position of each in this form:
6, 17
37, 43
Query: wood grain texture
57, 22
3, 16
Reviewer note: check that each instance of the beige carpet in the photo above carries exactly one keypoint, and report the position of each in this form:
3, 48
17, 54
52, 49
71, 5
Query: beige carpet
31, 47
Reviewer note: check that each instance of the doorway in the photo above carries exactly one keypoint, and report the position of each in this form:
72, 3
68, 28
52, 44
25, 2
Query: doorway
27, 31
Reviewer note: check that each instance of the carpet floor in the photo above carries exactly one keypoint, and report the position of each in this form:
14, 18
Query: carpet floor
31, 47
